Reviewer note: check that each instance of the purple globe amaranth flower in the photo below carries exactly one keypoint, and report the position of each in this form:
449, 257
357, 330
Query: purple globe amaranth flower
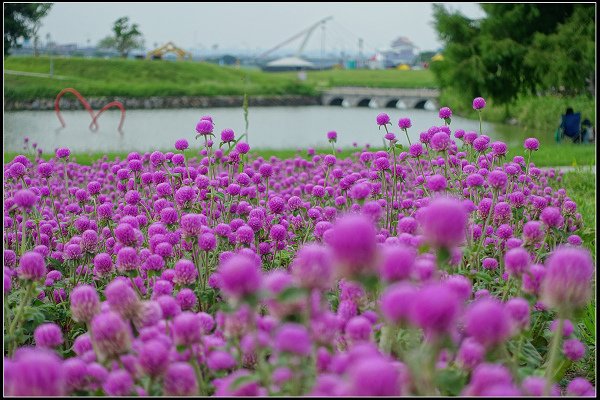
436, 183
34, 372
498, 179
111, 334
354, 245
487, 322
552, 217
567, 327
470, 354
293, 338
435, 309
395, 302
332, 136
118, 383
404, 123
240, 276
185, 272
478, 103
485, 377
518, 311
25, 199
574, 350
531, 144
580, 387
534, 386
48, 335
204, 127
383, 119
153, 357
397, 263
444, 222
63, 152
186, 329
532, 232
440, 141
516, 261
32, 266
122, 298
374, 376
313, 267
445, 113
181, 144
567, 284
85, 303
227, 135
225, 387
180, 380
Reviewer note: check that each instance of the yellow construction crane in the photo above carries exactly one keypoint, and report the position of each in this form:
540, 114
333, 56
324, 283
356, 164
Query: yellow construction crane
169, 48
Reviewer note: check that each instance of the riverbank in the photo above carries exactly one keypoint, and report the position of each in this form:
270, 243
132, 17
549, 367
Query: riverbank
69, 102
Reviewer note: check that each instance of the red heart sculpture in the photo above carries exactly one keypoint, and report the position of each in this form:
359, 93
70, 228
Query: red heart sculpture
94, 125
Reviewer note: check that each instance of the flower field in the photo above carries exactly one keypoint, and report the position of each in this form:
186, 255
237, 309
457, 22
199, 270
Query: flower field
447, 267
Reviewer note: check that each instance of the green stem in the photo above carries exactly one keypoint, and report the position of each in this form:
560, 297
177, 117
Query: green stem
17, 320
553, 355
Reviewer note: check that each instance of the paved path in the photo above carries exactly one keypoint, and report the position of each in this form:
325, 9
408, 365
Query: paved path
582, 168
36, 74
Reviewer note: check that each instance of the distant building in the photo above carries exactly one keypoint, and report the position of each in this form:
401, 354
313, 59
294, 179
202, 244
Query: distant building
401, 51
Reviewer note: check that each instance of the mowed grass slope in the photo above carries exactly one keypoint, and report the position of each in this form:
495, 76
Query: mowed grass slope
144, 78
141, 78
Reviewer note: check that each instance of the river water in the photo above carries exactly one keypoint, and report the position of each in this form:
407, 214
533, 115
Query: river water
269, 127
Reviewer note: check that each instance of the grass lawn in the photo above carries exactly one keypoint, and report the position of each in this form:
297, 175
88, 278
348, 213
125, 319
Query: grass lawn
143, 78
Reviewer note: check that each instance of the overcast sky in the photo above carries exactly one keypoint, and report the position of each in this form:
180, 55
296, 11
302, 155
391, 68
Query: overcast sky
252, 26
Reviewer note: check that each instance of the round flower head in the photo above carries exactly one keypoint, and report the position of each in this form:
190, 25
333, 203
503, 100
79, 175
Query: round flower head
227, 387
374, 376
445, 113
312, 267
111, 334
435, 308
354, 245
85, 303
532, 144
516, 261
204, 127
185, 272
518, 311
567, 327
478, 103
34, 372
153, 357
574, 350
487, 376
487, 322
440, 141
63, 152
332, 136
580, 387
470, 354
397, 263
534, 386
240, 276
181, 144
180, 380
567, 284
404, 123
293, 338
25, 199
396, 302
383, 119
32, 266
48, 335
552, 217
118, 383
122, 298
186, 329
444, 222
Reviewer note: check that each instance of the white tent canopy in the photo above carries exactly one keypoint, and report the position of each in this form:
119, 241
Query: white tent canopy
292, 62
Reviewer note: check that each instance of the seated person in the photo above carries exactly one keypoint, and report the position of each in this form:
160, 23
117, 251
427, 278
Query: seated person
570, 125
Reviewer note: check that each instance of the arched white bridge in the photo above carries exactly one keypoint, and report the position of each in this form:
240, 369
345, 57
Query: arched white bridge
381, 97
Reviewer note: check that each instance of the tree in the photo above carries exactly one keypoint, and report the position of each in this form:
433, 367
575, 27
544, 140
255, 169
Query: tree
513, 50
125, 38
22, 20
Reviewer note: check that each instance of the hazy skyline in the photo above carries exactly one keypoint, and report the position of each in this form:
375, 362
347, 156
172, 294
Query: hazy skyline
252, 26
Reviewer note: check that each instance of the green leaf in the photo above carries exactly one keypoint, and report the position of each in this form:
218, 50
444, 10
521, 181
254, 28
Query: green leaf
291, 294
241, 380
450, 381
399, 146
